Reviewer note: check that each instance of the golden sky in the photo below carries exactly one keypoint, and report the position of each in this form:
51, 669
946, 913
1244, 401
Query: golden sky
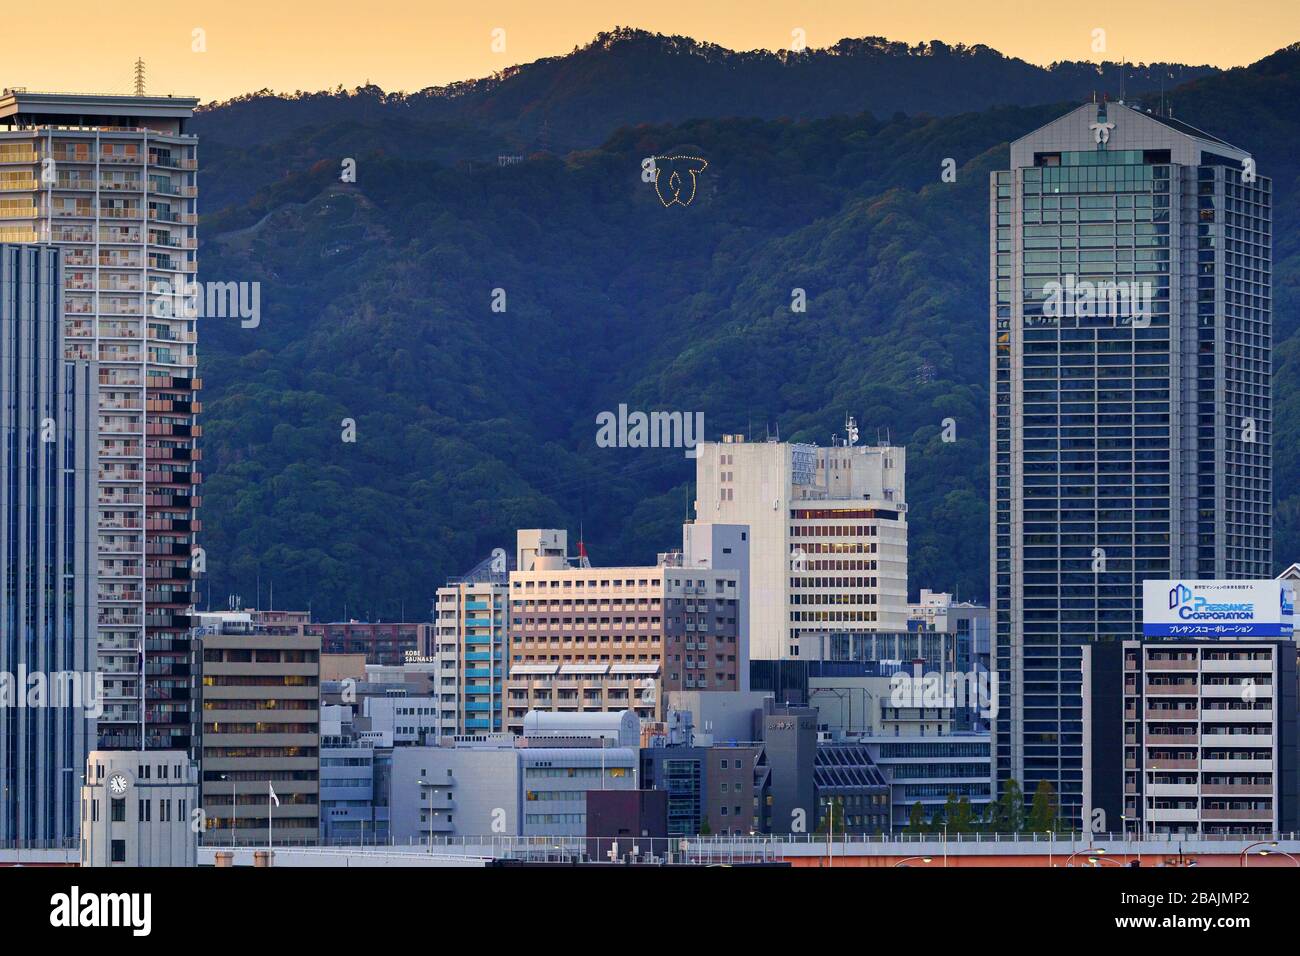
289, 45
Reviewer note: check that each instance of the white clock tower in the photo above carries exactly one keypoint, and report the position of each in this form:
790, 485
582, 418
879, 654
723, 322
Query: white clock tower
140, 808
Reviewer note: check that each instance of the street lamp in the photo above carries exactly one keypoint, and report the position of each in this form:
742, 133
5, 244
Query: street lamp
906, 860
1137, 830
1088, 849
231, 777
426, 783
77, 798
1246, 850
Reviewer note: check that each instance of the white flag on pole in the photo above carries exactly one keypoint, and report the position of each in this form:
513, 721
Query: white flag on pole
273, 796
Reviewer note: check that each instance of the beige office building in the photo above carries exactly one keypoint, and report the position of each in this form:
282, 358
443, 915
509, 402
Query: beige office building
582, 689
260, 729
623, 623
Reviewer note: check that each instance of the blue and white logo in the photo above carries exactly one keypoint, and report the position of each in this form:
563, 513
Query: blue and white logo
1229, 608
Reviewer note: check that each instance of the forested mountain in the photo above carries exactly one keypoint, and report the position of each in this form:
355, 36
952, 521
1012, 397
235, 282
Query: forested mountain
377, 307
625, 77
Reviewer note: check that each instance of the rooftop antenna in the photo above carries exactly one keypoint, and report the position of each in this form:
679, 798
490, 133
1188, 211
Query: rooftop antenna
851, 430
139, 76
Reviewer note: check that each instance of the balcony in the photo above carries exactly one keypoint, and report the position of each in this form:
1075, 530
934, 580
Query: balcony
1228, 667
1252, 741
1231, 789
1171, 789
1218, 814
1159, 763
1155, 713
1236, 691
1220, 715
126, 620
1243, 765
1172, 814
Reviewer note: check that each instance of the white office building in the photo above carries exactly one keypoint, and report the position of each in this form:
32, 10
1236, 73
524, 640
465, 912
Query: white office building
827, 536
507, 785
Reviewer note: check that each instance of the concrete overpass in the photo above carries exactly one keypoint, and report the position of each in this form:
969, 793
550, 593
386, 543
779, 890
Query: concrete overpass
929, 851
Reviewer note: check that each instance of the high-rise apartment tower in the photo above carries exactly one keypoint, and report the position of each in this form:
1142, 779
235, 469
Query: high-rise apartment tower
111, 181
1131, 414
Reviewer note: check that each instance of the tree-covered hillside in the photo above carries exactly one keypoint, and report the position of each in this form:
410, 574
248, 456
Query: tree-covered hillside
377, 306
625, 77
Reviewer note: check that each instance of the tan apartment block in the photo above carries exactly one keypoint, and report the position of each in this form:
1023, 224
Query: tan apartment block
260, 728
682, 620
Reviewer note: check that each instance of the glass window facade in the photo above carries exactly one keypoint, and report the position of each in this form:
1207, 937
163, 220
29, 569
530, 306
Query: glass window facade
1131, 412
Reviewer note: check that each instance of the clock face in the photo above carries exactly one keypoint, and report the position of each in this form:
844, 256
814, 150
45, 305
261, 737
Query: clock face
118, 783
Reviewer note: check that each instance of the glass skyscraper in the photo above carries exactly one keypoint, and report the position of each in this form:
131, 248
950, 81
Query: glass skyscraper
48, 695
1130, 278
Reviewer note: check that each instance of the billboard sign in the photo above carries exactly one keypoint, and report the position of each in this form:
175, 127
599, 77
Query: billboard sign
1218, 608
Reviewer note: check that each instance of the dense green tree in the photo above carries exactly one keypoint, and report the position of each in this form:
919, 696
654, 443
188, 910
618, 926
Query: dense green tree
832, 817
1043, 813
917, 823
1008, 811
959, 814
